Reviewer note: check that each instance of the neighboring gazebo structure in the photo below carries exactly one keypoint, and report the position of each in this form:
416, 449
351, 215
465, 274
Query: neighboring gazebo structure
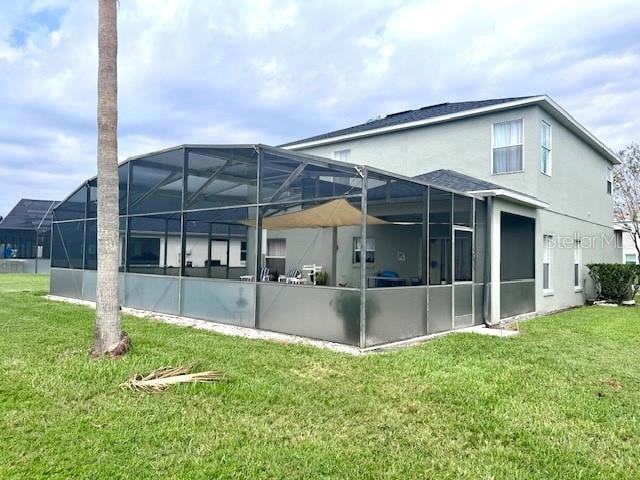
26, 230
25, 237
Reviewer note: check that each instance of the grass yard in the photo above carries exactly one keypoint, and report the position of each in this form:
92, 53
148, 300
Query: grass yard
560, 401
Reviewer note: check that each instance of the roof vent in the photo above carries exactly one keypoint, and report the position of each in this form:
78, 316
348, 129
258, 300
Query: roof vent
398, 113
434, 106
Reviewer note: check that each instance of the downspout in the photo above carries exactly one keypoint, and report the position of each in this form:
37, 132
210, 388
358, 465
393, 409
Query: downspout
487, 264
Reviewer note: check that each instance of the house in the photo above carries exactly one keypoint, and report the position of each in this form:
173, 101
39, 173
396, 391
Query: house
422, 222
528, 155
629, 251
25, 236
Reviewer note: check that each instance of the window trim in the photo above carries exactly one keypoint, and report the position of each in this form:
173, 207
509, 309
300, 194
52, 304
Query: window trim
266, 255
634, 258
549, 290
577, 252
542, 147
366, 249
493, 172
333, 155
243, 263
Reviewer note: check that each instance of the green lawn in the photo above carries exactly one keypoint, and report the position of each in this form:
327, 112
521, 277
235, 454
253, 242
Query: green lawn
560, 401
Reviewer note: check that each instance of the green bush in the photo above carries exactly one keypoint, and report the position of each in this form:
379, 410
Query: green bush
615, 281
322, 278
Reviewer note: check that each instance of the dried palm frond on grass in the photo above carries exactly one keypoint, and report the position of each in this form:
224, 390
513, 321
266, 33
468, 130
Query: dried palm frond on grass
161, 378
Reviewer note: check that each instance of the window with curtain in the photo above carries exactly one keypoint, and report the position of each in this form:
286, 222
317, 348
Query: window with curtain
370, 251
546, 263
545, 148
342, 155
577, 265
507, 147
276, 256
277, 247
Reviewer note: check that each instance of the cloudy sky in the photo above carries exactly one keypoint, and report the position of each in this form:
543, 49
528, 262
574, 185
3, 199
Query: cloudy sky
205, 71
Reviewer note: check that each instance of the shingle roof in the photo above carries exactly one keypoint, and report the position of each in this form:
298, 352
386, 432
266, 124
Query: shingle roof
30, 214
460, 182
457, 181
410, 116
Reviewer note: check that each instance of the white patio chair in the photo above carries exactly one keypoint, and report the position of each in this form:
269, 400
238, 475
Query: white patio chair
264, 276
291, 275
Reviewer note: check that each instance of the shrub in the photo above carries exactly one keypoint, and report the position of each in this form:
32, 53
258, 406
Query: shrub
322, 278
614, 281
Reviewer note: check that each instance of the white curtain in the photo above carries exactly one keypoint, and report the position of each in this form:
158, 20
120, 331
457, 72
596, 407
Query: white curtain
507, 146
342, 155
276, 247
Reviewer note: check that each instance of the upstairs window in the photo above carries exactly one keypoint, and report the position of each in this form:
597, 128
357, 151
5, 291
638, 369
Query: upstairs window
342, 155
545, 148
610, 181
507, 147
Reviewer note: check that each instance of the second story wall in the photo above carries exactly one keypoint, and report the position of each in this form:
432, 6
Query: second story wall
576, 186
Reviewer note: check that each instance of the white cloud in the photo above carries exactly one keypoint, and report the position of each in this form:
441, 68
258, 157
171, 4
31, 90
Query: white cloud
271, 71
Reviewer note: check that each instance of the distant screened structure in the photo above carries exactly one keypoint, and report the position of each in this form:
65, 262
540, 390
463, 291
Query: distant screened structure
262, 237
25, 233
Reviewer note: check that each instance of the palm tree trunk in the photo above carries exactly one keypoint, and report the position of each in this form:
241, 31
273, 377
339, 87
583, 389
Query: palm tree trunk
108, 336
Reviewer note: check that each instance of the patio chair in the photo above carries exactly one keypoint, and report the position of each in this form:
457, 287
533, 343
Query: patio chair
291, 277
264, 276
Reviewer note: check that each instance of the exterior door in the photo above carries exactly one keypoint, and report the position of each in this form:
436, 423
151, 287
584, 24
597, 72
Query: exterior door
462, 277
219, 264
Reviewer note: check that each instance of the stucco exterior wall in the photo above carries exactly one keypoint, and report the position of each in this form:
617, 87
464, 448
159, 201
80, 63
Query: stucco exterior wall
576, 187
576, 190
397, 249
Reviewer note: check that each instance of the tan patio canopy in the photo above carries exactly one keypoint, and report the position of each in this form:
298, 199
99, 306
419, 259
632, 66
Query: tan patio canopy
335, 213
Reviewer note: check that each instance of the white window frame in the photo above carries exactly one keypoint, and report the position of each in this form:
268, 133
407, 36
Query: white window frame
547, 259
548, 149
243, 263
338, 153
284, 241
370, 247
630, 258
609, 180
577, 262
493, 147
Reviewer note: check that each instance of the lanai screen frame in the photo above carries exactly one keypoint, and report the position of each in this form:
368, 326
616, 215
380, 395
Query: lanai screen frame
363, 172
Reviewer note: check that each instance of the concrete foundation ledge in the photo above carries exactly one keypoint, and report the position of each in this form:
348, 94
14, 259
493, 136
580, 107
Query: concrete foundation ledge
257, 334
221, 328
